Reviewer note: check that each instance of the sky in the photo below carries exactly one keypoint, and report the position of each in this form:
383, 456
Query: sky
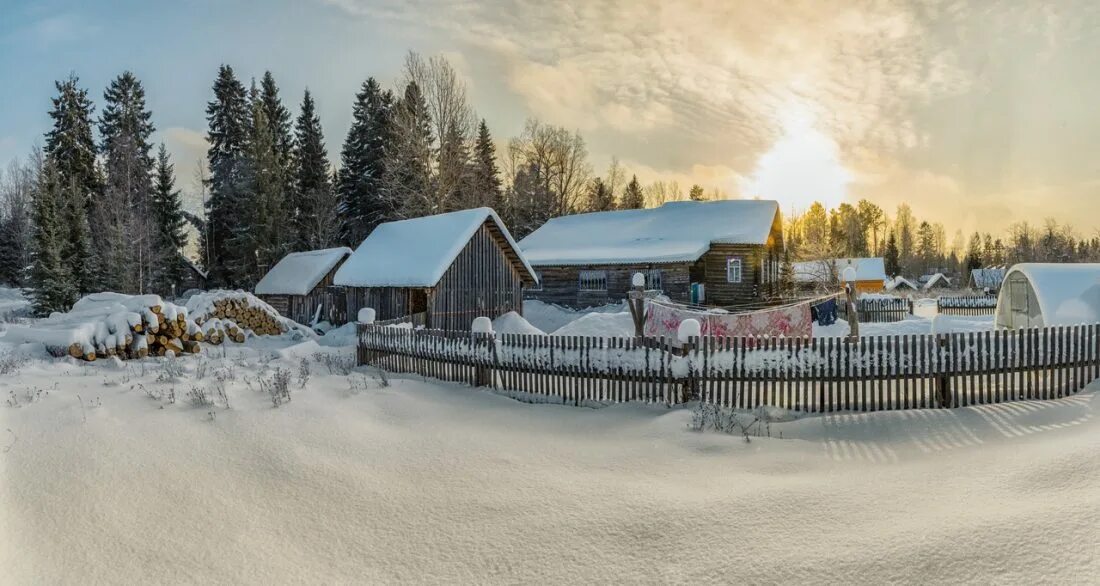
978, 114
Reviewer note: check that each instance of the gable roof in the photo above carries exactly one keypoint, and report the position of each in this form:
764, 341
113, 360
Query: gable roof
814, 271
900, 281
679, 231
416, 252
937, 280
299, 272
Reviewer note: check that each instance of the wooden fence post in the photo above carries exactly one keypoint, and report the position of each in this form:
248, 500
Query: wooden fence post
636, 303
943, 381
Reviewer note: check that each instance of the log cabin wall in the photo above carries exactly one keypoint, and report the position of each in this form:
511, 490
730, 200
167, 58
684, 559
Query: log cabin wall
561, 284
483, 280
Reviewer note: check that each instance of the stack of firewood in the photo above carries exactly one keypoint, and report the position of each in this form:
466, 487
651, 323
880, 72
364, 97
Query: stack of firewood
161, 329
235, 314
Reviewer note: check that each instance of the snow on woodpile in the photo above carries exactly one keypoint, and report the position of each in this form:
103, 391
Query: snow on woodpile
679, 231
113, 324
299, 272
416, 252
239, 314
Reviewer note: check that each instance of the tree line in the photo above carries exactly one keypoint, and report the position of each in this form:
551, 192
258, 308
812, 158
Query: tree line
915, 247
95, 211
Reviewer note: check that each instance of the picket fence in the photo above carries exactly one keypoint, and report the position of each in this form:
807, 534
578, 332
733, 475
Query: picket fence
816, 375
967, 305
877, 310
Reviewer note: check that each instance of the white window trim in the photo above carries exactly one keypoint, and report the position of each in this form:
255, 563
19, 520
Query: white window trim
591, 275
730, 262
649, 285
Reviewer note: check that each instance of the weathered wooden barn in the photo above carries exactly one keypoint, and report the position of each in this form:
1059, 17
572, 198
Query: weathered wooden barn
716, 253
298, 286
445, 269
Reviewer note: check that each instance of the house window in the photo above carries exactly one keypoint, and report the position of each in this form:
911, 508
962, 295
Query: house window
653, 280
733, 269
593, 281
538, 285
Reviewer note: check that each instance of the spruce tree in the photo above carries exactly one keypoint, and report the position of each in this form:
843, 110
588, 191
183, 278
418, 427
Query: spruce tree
455, 189
71, 147
16, 224
696, 193
53, 286
363, 199
600, 198
121, 229
408, 179
892, 256
259, 237
227, 115
633, 197
168, 221
486, 176
312, 205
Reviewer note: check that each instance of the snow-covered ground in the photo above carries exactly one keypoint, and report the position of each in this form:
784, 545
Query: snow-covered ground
13, 304
356, 482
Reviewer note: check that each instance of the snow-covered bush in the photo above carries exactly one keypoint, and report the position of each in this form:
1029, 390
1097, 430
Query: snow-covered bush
277, 387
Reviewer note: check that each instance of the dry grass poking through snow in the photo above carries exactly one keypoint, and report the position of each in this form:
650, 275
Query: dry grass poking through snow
407, 481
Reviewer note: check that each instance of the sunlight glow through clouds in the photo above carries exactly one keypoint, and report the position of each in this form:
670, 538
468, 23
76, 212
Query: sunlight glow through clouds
801, 167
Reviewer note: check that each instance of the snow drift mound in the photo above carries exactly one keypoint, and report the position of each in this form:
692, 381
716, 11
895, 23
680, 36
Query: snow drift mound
513, 323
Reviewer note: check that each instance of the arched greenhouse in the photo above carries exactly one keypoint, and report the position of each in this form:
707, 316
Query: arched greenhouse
1049, 294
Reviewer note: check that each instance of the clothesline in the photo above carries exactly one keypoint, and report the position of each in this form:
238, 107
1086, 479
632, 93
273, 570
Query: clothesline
710, 310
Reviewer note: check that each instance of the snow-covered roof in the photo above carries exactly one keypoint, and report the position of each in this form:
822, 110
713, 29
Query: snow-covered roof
416, 252
299, 272
680, 231
194, 266
900, 281
936, 280
817, 271
1067, 293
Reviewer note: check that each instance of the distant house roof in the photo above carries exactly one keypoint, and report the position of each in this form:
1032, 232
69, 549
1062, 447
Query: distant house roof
1067, 293
821, 271
990, 277
416, 252
680, 231
900, 282
299, 272
936, 280
194, 266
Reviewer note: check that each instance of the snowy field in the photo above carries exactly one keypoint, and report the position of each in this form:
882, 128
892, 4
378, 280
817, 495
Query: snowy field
353, 481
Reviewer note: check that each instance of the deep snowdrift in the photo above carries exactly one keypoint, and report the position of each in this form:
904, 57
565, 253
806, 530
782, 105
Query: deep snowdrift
352, 482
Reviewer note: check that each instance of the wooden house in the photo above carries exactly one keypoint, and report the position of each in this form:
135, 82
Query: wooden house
193, 278
718, 253
445, 270
298, 285
827, 274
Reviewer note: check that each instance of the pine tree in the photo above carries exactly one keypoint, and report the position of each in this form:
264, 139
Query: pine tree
312, 205
454, 181
600, 198
892, 257
16, 223
486, 175
169, 237
123, 235
53, 286
696, 193
364, 203
633, 198
259, 237
71, 147
531, 201
228, 118
408, 178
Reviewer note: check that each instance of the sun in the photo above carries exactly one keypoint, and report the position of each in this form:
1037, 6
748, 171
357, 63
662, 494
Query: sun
802, 167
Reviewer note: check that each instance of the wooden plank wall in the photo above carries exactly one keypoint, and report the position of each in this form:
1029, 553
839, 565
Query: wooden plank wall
561, 284
816, 375
482, 281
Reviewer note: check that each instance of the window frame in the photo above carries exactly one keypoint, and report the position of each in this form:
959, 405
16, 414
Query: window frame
649, 280
594, 278
740, 263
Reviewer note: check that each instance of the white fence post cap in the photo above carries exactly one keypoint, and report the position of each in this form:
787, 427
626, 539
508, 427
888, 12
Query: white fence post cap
638, 280
366, 315
482, 325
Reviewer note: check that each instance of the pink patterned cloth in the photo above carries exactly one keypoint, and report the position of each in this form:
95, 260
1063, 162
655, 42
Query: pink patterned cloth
791, 321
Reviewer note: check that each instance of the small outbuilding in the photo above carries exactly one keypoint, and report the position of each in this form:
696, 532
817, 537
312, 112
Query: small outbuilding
1049, 294
900, 283
443, 270
298, 285
987, 278
936, 280
870, 273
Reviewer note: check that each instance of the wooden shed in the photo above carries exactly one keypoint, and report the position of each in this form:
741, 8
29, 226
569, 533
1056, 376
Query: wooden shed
724, 252
298, 286
445, 270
